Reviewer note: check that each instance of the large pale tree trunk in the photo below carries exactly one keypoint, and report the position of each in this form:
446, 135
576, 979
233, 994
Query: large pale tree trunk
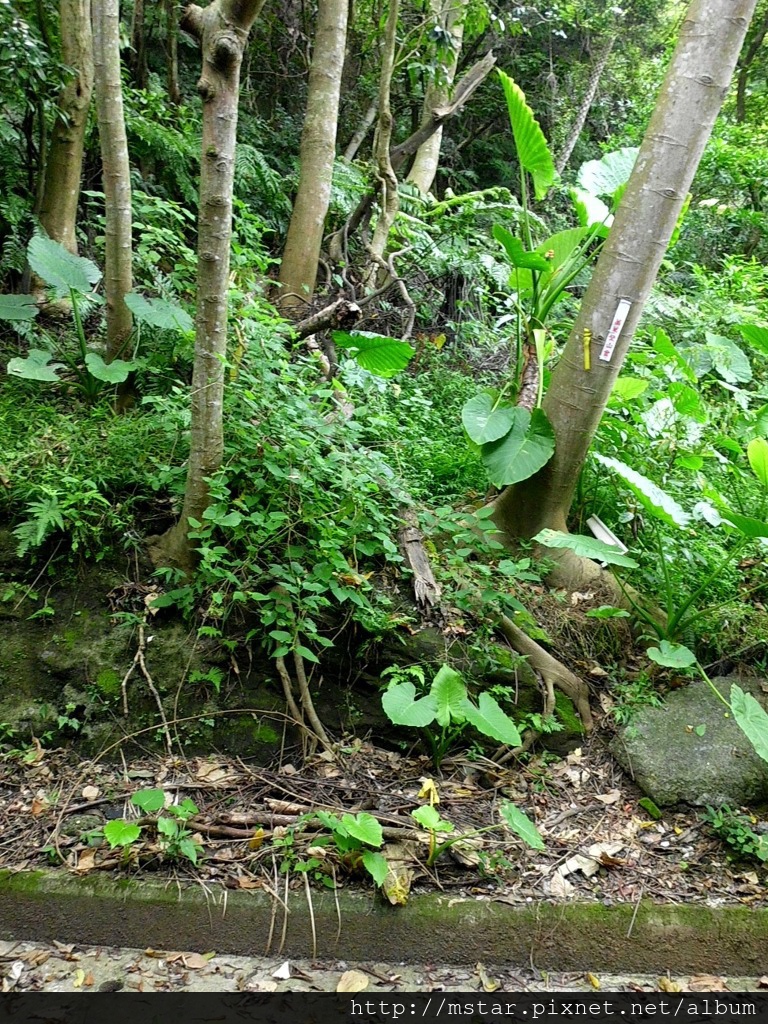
586, 105
450, 16
298, 271
222, 29
691, 96
118, 256
63, 170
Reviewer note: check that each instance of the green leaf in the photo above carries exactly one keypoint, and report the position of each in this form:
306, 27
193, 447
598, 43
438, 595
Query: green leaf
757, 453
402, 708
119, 832
160, 313
113, 373
730, 361
746, 525
168, 827
530, 144
18, 307
607, 611
364, 827
381, 356
486, 419
671, 655
585, 547
562, 245
429, 818
751, 718
149, 800
522, 826
60, 268
653, 499
516, 252
489, 719
591, 211
687, 402
662, 344
36, 366
449, 693
757, 336
649, 807
700, 730
527, 447
376, 865
189, 849
627, 388
605, 176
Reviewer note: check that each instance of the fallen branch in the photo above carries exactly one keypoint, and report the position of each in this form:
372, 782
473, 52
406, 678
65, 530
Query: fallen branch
425, 587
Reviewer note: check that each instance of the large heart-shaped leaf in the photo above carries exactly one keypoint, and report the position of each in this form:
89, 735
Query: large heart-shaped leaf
59, 268
113, 373
757, 336
489, 719
604, 176
729, 360
37, 365
671, 655
757, 453
560, 248
18, 307
585, 547
516, 252
376, 865
532, 150
751, 718
450, 694
653, 499
403, 708
363, 826
591, 211
119, 832
522, 825
160, 313
522, 452
381, 356
746, 525
485, 418
662, 344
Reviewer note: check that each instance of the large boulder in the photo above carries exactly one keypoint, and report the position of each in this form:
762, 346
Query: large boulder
692, 751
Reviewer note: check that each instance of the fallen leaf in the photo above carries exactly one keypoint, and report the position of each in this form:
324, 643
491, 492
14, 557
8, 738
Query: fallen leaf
64, 947
193, 961
611, 797
283, 972
588, 866
254, 843
592, 979
157, 954
209, 771
397, 883
79, 978
89, 979
559, 885
86, 862
91, 793
38, 806
667, 985
353, 981
429, 792
598, 672
489, 984
248, 883
262, 985
707, 983
763, 981
600, 850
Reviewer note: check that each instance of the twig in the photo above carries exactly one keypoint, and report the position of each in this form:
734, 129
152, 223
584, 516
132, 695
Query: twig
311, 909
138, 659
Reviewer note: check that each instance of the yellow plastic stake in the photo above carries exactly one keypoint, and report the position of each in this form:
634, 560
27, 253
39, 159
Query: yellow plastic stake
587, 343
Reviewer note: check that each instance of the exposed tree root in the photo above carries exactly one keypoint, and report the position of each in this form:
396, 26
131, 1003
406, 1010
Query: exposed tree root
138, 659
313, 733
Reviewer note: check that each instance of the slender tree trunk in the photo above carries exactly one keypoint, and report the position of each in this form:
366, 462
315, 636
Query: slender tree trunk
172, 35
298, 271
139, 45
362, 130
759, 30
586, 105
450, 16
222, 29
118, 274
63, 168
691, 96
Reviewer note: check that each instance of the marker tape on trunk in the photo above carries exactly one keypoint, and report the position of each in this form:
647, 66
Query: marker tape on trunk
612, 337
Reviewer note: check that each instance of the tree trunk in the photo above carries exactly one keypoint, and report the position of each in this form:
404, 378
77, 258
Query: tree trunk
172, 35
118, 257
694, 88
222, 29
138, 45
450, 15
298, 271
63, 168
751, 50
362, 130
586, 105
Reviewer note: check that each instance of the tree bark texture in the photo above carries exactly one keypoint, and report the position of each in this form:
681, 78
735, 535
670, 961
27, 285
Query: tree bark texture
172, 37
118, 273
63, 169
138, 45
450, 16
298, 271
222, 29
751, 50
694, 88
586, 104
362, 130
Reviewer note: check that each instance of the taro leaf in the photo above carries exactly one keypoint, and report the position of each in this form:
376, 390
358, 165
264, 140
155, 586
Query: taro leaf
522, 452
149, 800
60, 268
530, 144
627, 388
585, 547
746, 525
607, 611
450, 695
671, 655
376, 865
591, 211
490, 720
121, 833
430, 819
605, 176
167, 316
757, 453
363, 826
522, 826
381, 356
516, 252
190, 849
687, 402
562, 246
18, 307
757, 336
663, 345
486, 419
751, 719
113, 373
729, 360
36, 366
653, 499
402, 707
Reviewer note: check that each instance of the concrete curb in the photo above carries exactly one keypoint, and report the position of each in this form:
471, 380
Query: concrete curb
649, 938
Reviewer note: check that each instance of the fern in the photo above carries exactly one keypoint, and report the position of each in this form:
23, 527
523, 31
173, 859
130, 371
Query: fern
255, 177
44, 518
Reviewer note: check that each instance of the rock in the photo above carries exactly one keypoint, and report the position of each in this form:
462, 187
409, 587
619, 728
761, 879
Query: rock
667, 758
